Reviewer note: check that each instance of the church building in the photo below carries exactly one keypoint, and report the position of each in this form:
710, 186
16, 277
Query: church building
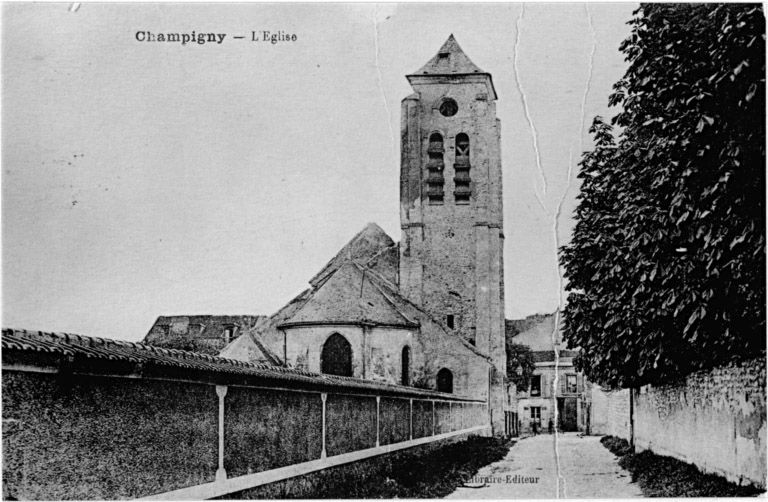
427, 311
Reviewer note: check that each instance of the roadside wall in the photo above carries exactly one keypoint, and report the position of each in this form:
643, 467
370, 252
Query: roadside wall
715, 420
610, 412
84, 436
103, 438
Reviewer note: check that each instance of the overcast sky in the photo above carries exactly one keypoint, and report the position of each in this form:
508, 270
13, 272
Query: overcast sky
145, 179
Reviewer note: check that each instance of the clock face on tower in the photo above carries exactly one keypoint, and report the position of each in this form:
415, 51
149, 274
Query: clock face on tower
448, 107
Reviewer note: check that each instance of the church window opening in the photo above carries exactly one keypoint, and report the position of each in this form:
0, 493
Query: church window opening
228, 331
449, 320
448, 108
445, 380
461, 167
435, 166
406, 369
536, 385
336, 356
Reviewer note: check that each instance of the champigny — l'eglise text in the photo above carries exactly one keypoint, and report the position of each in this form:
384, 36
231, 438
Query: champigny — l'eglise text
203, 38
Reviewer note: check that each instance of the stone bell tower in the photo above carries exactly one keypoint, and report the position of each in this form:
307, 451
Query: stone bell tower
451, 258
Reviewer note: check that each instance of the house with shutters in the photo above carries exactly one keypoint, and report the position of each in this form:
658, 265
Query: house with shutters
556, 392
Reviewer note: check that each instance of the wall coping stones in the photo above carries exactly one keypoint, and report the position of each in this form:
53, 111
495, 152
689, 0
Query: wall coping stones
78, 353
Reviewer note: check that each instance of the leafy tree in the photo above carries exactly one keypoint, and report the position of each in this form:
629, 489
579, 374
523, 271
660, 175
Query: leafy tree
666, 267
520, 364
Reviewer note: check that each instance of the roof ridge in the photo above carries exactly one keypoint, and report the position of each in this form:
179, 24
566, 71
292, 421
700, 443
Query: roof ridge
383, 250
264, 350
345, 253
386, 297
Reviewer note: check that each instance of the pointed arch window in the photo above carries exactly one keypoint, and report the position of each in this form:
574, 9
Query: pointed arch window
461, 166
445, 380
336, 356
406, 366
435, 166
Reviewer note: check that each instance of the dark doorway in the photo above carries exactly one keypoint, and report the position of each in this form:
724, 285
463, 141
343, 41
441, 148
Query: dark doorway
566, 414
445, 380
336, 357
406, 369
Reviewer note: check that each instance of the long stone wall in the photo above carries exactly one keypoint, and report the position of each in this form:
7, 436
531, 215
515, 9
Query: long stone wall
715, 419
70, 435
86, 437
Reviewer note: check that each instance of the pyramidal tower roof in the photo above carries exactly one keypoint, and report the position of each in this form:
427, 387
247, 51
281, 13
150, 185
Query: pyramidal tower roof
451, 61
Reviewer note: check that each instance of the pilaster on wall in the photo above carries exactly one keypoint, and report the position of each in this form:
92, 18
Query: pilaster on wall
221, 473
411, 265
483, 289
490, 315
410, 161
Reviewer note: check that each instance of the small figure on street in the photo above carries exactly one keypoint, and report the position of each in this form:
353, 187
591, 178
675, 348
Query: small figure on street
534, 427
550, 426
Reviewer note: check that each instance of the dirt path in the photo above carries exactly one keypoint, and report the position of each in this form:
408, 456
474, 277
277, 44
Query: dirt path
587, 470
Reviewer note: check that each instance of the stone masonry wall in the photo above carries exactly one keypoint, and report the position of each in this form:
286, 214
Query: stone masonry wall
609, 412
715, 420
88, 437
70, 436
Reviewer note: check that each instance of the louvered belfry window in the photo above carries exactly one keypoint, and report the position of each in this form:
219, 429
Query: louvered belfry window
461, 166
435, 166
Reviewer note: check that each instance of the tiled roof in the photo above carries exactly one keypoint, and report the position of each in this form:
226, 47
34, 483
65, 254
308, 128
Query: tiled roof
349, 296
368, 243
356, 286
92, 348
246, 349
199, 333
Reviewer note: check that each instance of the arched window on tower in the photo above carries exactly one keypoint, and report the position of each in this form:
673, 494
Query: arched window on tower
336, 356
406, 366
461, 167
445, 380
435, 166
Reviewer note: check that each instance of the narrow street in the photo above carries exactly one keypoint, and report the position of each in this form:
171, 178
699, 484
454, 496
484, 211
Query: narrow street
587, 470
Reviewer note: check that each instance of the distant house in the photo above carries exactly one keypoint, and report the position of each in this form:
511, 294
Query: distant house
207, 334
555, 383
